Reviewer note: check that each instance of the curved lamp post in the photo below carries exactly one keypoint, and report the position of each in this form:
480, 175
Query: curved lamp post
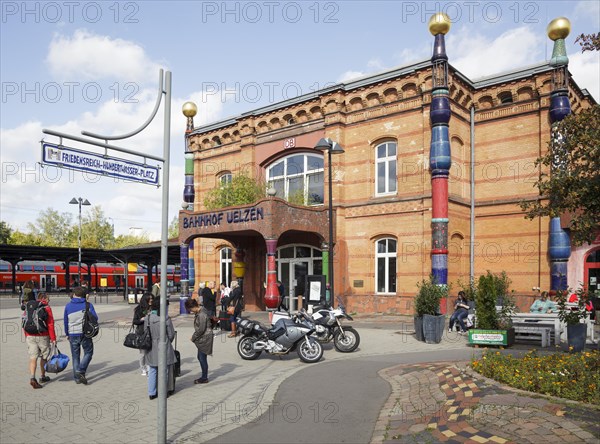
79, 201
331, 147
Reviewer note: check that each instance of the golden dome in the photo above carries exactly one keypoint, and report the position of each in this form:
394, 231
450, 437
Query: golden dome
559, 28
189, 109
439, 23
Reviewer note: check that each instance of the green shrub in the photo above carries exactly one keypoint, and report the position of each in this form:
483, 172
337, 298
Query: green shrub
242, 190
429, 296
491, 289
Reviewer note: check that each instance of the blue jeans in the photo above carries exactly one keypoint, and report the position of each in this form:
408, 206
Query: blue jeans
153, 380
78, 342
203, 359
459, 315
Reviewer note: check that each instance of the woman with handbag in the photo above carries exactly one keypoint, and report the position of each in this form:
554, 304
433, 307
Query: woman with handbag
202, 337
139, 315
153, 322
235, 306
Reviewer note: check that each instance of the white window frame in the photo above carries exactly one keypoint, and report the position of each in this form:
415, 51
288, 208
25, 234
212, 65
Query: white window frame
228, 260
305, 175
386, 160
386, 256
225, 178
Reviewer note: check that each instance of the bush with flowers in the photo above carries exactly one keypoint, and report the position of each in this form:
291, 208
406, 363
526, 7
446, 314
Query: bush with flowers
574, 376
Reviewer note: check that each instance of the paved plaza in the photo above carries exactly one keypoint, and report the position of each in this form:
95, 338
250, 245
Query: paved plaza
392, 389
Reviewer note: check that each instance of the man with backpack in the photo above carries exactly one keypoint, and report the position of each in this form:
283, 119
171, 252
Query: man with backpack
74, 318
38, 325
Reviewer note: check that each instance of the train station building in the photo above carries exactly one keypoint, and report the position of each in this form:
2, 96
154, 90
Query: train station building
383, 190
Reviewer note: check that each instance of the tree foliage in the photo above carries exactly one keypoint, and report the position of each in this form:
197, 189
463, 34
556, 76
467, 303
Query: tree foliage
52, 229
242, 190
174, 228
5, 232
570, 181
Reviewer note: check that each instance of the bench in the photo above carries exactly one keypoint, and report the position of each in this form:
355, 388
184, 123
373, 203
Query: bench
533, 333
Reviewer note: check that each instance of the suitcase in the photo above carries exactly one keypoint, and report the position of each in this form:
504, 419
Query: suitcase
177, 365
225, 320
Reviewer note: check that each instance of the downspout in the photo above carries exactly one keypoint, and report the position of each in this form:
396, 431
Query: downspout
472, 238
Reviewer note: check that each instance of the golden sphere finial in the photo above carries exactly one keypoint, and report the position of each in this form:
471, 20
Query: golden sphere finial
559, 28
189, 109
439, 23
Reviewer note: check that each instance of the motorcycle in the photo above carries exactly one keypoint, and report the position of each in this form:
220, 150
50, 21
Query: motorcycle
327, 324
283, 337
329, 327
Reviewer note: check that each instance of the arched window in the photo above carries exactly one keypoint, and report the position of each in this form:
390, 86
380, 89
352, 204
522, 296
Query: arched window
298, 178
385, 167
385, 265
225, 273
225, 178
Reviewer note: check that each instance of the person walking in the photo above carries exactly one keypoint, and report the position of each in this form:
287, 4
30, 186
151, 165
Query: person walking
153, 322
202, 337
40, 335
236, 302
73, 320
139, 316
461, 311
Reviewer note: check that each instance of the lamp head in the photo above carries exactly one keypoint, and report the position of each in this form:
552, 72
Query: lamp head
324, 144
74, 201
86, 202
336, 149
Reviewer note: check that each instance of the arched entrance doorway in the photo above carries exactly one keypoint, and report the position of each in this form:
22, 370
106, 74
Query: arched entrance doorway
294, 263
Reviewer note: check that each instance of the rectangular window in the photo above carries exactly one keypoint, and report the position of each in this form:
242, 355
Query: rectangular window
386, 181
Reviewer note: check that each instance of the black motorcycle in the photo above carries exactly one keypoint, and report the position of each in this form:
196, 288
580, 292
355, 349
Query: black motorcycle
283, 337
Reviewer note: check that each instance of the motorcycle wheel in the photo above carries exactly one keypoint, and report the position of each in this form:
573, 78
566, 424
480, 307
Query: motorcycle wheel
246, 350
311, 352
346, 341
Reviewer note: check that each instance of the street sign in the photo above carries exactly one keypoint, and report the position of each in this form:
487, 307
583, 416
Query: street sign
104, 165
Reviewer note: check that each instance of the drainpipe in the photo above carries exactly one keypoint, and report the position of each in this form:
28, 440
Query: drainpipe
472, 216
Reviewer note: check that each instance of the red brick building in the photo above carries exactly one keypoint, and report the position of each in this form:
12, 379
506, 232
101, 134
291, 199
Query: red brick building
382, 187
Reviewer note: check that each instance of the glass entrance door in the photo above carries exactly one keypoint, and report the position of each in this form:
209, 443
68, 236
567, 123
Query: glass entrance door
298, 278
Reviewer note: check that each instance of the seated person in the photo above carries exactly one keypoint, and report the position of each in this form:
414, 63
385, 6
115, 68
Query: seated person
461, 311
543, 304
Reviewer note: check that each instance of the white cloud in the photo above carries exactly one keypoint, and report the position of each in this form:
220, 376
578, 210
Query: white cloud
585, 68
476, 55
350, 75
88, 56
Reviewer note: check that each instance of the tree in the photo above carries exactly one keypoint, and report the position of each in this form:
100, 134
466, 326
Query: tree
129, 240
5, 232
174, 228
96, 230
49, 229
571, 177
241, 190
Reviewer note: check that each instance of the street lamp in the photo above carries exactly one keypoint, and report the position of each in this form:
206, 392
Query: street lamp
79, 201
331, 147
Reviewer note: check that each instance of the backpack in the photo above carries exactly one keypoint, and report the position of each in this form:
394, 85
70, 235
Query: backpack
90, 323
36, 316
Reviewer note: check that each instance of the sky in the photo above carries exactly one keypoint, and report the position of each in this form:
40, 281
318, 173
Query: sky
93, 66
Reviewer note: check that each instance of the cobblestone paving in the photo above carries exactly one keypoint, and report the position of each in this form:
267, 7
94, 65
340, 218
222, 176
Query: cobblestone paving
445, 402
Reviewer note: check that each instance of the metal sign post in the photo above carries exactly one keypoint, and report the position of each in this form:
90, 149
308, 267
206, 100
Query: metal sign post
71, 158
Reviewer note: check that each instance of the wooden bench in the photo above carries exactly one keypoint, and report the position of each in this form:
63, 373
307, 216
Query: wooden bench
533, 333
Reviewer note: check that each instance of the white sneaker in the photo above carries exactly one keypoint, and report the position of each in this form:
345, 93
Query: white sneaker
144, 373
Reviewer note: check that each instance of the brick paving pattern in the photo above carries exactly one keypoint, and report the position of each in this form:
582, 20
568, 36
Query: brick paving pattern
446, 402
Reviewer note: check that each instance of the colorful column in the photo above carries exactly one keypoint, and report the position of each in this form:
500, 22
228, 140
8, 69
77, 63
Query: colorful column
189, 110
272, 292
325, 262
439, 154
559, 243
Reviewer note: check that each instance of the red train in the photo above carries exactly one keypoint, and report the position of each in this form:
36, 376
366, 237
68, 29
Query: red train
51, 276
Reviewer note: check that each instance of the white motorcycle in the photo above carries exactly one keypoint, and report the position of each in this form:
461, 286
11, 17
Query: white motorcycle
328, 326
